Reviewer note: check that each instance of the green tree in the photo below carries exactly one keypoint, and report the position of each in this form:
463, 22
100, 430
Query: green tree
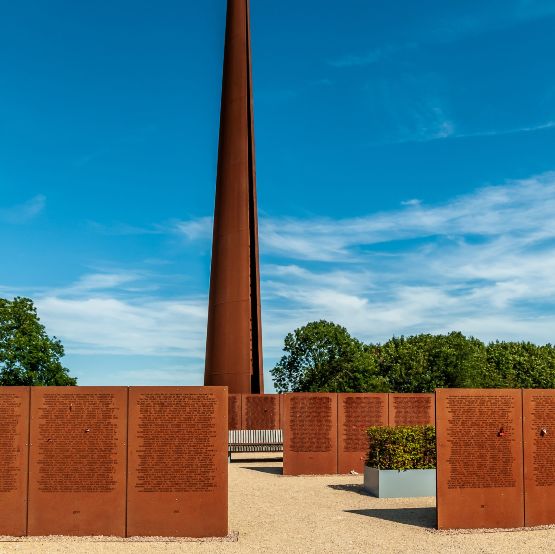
322, 356
422, 363
520, 365
28, 356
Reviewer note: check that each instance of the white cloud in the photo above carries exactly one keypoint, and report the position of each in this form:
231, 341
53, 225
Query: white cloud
99, 325
367, 58
411, 202
482, 263
195, 229
23, 213
98, 281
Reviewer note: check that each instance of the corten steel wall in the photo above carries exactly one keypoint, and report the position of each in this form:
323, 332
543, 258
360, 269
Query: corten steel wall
235, 411
234, 336
310, 434
177, 476
411, 409
255, 411
479, 458
90, 471
355, 413
260, 411
14, 453
539, 456
77, 460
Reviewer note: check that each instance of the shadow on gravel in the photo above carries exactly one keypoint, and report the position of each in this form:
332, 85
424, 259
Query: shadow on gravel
358, 489
419, 517
257, 460
272, 470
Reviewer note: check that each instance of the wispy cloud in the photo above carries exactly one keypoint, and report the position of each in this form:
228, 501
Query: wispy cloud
446, 130
95, 325
194, 229
534, 9
122, 229
373, 56
512, 131
482, 263
409, 108
445, 29
514, 209
25, 212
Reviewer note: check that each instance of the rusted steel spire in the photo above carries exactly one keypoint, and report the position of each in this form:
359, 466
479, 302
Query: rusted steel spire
234, 338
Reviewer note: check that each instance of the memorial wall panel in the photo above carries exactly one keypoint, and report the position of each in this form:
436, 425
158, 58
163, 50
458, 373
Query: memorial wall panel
14, 440
177, 468
355, 413
539, 456
77, 460
260, 411
281, 410
479, 466
411, 409
234, 411
310, 434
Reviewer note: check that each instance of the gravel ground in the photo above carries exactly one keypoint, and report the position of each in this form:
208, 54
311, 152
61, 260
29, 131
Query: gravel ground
273, 513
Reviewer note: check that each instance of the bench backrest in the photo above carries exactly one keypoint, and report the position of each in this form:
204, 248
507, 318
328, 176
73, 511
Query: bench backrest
258, 436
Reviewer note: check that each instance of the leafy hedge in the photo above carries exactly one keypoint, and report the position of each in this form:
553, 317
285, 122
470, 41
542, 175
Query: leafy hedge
402, 448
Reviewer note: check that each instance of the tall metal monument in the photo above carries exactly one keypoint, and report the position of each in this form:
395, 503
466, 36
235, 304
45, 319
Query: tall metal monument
234, 338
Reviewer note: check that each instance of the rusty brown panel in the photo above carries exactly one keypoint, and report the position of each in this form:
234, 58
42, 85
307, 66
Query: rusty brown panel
281, 411
77, 461
355, 413
310, 434
14, 459
260, 411
177, 470
411, 409
234, 411
538, 408
479, 458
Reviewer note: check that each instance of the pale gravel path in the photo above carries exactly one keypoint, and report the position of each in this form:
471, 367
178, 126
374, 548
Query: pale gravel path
273, 513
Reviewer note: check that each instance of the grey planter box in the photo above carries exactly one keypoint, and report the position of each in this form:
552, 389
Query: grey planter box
388, 483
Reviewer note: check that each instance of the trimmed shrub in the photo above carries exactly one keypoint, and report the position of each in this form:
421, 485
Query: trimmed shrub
403, 447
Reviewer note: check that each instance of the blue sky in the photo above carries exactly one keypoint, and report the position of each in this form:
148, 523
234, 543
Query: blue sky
405, 161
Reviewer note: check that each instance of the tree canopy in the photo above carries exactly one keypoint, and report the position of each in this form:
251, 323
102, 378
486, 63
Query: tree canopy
323, 356
28, 356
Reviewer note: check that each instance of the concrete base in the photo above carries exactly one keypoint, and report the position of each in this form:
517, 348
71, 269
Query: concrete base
387, 483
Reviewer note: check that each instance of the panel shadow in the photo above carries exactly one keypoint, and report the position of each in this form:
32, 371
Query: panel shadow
350, 487
418, 517
270, 470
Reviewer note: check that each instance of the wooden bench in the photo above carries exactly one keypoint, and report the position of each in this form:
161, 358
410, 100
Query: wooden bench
259, 440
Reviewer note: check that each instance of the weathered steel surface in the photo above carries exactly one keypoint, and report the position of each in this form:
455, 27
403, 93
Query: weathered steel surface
357, 412
479, 458
260, 411
310, 434
281, 411
411, 409
177, 464
234, 337
77, 461
539, 456
14, 439
235, 411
